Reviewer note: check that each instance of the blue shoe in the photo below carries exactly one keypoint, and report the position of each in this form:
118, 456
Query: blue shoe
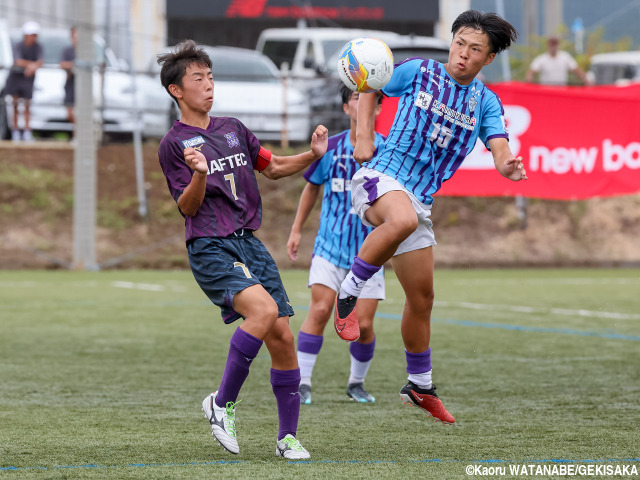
357, 392
305, 394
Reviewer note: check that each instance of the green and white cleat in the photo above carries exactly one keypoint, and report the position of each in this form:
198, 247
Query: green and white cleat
289, 447
223, 422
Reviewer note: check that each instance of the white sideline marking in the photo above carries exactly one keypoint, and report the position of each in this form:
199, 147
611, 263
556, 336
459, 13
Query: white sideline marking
138, 286
525, 309
539, 281
558, 281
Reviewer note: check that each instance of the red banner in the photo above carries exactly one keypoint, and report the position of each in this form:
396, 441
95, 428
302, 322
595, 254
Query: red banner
576, 142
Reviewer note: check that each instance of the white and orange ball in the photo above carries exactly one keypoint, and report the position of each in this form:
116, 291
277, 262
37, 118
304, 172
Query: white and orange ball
365, 64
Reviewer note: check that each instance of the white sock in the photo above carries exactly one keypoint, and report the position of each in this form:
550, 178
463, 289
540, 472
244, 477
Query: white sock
306, 361
422, 380
351, 285
358, 370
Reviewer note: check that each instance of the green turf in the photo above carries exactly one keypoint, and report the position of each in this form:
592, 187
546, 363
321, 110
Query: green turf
102, 375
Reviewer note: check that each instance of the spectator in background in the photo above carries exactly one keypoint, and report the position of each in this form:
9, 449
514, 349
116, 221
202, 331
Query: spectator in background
67, 58
554, 66
27, 56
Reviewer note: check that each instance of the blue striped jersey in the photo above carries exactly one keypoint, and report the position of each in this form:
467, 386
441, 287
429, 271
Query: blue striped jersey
341, 232
436, 125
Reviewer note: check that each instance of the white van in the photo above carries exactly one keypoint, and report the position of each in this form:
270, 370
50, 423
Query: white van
307, 50
311, 54
310, 51
619, 68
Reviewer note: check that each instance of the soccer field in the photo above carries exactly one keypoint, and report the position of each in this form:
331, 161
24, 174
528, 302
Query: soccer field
102, 376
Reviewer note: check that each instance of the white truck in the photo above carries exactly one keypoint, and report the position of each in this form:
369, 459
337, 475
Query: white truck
619, 68
311, 56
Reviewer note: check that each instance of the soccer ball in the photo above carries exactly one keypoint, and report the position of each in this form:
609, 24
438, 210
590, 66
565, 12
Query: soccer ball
365, 64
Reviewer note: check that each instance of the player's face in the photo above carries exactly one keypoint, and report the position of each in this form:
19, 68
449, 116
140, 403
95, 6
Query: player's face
351, 108
196, 92
469, 52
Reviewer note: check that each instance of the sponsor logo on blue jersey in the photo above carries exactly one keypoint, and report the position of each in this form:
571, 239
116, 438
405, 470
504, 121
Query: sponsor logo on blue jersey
423, 100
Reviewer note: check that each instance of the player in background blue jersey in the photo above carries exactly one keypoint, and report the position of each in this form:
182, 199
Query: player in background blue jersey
209, 165
442, 110
339, 237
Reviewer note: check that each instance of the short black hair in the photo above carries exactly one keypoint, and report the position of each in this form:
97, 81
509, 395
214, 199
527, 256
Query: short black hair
500, 32
346, 93
175, 63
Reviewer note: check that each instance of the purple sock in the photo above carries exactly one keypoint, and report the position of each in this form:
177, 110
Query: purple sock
363, 352
243, 348
285, 387
419, 362
309, 343
363, 270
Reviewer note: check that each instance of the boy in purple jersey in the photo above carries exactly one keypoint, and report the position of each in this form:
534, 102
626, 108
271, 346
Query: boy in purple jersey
446, 109
209, 165
339, 237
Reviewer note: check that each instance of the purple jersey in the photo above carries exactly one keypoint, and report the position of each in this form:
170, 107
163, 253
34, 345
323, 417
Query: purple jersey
232, 200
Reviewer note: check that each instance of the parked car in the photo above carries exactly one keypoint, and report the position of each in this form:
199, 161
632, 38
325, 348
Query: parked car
113, 92
618, 68
312, 56
409, 46
248, 86
307, 50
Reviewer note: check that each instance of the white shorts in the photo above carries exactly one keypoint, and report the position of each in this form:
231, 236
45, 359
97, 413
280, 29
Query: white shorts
364, 192
325, 273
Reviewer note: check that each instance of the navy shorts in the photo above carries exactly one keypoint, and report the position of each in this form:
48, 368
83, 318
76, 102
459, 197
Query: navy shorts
19, 86
69, 95
224, 266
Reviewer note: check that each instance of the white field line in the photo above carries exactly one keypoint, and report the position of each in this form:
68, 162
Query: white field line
539, 310
139, 286
551, 280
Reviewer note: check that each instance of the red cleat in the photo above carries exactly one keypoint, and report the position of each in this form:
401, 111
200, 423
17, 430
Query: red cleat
346, 319
426, 399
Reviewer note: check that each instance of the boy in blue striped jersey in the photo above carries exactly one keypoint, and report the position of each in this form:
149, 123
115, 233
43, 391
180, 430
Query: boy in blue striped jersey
339, 237
442, 110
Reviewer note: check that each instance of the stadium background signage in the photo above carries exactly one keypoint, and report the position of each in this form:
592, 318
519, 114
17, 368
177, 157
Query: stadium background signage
576, 142
424, 10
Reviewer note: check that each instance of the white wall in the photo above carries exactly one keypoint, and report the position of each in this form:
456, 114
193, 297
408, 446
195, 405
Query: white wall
149, 24
449, 11
49, 13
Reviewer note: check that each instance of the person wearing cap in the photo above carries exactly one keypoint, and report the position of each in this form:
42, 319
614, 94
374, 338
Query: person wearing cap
553, 67
28, 58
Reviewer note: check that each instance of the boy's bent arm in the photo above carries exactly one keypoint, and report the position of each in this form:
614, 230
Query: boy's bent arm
283, 166
364, 148
505, 162
192, 196
308, 199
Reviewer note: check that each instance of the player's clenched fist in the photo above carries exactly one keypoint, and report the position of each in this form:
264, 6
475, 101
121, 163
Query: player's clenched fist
195, 160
